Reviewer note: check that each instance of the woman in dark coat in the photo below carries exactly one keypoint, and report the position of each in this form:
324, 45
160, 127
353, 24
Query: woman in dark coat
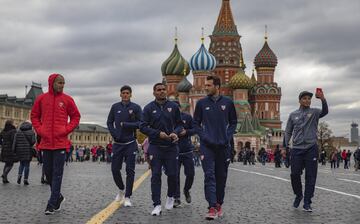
24, 141
7, 153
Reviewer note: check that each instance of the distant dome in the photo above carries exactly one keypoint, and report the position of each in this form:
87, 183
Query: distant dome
175, 64
184, 86
202, 60
240, 81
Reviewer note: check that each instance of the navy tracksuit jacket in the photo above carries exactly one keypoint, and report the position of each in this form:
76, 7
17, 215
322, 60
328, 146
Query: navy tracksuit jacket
215, 123
122, 122
186, 154
162, 118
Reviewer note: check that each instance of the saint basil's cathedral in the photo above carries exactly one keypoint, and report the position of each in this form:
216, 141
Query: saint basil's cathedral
257, 100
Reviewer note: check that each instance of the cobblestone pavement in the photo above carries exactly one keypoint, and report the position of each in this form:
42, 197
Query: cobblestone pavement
254, 194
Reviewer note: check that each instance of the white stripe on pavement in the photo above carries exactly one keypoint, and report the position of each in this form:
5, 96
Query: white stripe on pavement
349, 180
286, 180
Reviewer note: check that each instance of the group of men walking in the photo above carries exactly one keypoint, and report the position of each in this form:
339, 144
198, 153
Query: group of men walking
169, 131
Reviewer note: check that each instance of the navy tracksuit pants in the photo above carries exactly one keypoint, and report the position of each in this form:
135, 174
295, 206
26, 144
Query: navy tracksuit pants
215, 163
304, 159
189, 170
123, 153
53, 165
166, 157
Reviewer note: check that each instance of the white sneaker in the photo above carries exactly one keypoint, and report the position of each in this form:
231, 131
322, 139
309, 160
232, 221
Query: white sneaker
127, 202
120, 196
156, 211
169, 203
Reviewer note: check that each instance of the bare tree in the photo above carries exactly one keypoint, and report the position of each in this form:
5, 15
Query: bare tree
324, 137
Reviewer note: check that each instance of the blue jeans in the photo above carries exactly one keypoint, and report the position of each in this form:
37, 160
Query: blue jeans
24, 167
54, 161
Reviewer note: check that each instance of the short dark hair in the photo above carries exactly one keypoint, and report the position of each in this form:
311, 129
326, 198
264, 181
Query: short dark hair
158, 84
216, 80
126, 87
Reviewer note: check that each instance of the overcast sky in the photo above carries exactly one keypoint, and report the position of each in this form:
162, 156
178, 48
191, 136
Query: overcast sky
101, 45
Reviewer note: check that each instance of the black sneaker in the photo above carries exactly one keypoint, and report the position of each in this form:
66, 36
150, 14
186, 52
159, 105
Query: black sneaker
61, 200
307, 208
4, 179
177, 203
297, 201
26, 182
49, 210
19, 180
187, 196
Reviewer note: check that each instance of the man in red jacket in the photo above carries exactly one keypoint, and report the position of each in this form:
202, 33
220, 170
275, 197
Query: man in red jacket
49, 117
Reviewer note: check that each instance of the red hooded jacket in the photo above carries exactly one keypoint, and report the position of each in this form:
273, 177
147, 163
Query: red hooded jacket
49, 117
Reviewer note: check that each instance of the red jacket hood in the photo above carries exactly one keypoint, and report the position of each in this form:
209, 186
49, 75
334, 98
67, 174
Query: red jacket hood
51, 81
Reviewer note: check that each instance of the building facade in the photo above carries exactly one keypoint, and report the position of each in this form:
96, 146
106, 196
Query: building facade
354, 133
257, 100
88, 135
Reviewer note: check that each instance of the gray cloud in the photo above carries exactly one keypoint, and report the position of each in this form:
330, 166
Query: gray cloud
101, 45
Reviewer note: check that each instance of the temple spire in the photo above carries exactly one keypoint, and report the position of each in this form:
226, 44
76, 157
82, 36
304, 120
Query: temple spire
225, 23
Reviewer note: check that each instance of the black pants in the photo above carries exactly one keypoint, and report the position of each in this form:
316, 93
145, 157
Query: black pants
8, 166
54, 161
304, 159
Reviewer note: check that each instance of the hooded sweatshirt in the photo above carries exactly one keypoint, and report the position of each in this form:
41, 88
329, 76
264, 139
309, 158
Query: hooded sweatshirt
50, 115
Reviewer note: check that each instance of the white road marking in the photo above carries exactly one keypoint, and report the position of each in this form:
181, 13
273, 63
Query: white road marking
286, 180
354, 181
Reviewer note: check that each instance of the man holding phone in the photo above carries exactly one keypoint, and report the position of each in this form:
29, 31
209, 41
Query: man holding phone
302, 125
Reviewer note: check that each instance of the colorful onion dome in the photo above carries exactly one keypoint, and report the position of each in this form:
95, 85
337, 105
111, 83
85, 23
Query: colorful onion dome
175, 64
265, 57
202, 60
184, 86
240, 81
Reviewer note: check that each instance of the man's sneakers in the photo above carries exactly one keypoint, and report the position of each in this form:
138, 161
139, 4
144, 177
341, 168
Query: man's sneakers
219, 210
60, 201
307, 208
187, 196
156, 211
212, 214
297, 201
169, 203
49, 210
18, 180
120, 196
127, 202
177, 203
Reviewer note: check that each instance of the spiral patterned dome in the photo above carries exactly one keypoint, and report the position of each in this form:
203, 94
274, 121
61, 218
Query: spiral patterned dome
184, 86
265, 57
240, 81
202, 60
175, 64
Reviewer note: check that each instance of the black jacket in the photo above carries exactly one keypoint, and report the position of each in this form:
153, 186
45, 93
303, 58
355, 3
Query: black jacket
7, 138
24, 141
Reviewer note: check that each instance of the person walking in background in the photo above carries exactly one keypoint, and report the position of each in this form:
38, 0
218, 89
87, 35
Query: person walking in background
186, 151
333, 159
50, 117
24, 141
161, 121
344, 158
123, 121
215, 121
7, 153
302, 125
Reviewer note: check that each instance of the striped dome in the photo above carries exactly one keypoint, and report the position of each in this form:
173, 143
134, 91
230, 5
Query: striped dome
202, 60
184, 86
240, 81
175, 64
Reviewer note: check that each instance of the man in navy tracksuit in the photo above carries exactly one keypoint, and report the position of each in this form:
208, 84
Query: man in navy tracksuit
302, 125
215, 120
123, 120
161, 122
186, 159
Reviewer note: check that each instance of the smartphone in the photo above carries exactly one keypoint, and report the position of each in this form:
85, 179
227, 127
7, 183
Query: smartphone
318, 91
